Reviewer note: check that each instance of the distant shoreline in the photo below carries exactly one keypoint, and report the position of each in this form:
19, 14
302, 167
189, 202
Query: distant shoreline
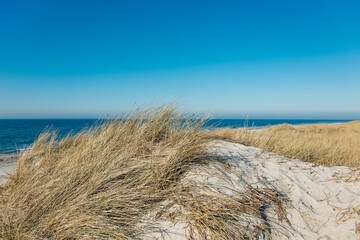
301, 124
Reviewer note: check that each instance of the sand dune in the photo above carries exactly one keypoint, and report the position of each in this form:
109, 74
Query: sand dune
323, 202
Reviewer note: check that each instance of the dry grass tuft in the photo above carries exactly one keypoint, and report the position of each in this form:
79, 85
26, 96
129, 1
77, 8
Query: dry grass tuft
214, 215
219, 216
99, 183
329, 145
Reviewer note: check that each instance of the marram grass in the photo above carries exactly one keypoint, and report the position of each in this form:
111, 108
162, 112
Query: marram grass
329, 145
99, 183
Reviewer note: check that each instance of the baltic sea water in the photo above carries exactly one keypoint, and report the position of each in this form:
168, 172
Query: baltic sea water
19, 134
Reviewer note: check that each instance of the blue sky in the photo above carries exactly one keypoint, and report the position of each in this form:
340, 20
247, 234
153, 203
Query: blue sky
268, 59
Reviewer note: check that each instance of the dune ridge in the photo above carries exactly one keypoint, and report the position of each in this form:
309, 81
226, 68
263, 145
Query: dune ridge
326, 144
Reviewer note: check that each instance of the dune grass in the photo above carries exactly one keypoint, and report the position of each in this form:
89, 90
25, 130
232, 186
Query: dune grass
99, 183
103, 182
329, 145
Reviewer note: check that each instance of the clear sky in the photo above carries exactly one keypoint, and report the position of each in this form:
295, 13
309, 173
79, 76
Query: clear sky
269, 59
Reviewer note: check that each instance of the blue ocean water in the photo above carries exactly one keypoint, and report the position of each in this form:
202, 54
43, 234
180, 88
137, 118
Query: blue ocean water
18, 134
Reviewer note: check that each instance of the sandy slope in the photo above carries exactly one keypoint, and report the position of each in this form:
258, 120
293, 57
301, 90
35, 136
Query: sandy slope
324, 202
7, 166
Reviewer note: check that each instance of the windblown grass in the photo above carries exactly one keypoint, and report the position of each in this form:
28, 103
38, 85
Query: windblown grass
220, 216
102, 182
99, 183
329, 145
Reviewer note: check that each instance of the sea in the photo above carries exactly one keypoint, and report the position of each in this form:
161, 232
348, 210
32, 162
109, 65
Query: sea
19, 134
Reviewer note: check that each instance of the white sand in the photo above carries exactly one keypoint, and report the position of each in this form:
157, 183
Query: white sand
322, 200
7, 166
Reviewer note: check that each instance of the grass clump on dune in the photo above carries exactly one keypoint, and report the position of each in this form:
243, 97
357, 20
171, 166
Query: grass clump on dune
99, 183
105, 181
329, 145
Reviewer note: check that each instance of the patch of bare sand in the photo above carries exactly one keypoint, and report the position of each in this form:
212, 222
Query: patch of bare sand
7, 166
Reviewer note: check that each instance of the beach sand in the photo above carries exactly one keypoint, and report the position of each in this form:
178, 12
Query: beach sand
323, 202
7, 166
